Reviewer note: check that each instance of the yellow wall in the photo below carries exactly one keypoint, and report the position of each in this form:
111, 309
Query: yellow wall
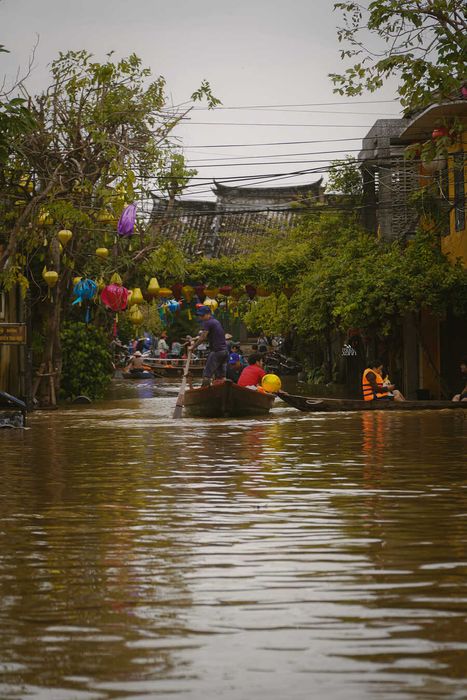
455, 244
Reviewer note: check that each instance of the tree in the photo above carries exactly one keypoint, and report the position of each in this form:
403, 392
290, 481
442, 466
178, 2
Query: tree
101, 138
424, 44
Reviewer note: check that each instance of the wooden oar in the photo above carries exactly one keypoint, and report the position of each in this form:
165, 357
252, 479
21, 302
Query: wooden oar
179, 405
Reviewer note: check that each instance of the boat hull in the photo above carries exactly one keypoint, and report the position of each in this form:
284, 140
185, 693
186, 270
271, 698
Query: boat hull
226, 399
309, 404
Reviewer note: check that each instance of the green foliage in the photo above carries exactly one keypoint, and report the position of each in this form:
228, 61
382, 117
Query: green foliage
270, 315
167, 262
345, 178
87, 361
423, 44
340, 276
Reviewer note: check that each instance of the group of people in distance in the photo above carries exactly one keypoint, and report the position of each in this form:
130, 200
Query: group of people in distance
222, 363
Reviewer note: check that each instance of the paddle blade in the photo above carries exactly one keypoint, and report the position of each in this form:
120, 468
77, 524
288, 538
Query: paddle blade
179, 406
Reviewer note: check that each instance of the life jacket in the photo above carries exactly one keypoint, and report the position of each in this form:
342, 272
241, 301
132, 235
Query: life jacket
367, 389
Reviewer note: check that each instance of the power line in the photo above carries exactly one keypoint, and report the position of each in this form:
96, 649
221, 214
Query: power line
301, 104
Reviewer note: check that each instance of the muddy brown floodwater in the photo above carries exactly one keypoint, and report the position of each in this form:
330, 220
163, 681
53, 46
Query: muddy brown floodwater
292, 556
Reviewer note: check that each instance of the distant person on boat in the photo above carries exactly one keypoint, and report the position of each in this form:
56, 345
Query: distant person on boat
176, 349
136, 363
373, 386
262, 343
462, 395
162, 345
252, 375
234, 367
212, 333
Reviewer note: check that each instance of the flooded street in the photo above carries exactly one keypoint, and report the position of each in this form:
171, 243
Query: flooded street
292, 556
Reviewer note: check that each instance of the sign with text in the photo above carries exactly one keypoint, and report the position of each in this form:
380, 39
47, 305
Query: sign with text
12, 333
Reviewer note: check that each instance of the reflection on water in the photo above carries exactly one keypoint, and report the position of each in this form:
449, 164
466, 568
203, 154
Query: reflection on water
292, 556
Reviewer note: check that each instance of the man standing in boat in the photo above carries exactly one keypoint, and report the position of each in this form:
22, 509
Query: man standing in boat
214, 334
373, 386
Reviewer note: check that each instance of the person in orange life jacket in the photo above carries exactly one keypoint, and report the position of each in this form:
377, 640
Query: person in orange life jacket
252, 375
462, 395
373, 386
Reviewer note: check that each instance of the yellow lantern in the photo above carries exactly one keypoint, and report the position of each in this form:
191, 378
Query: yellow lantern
188, 292
76, 280
153, 287
104, 216
100, 284
165, 292
44, 218
211, 291
64, 236
116, 279
51, 278
212, 303
136, 296
102, 253
135, 315
271, 383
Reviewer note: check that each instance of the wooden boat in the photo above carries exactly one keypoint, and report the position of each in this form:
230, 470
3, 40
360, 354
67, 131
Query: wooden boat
12, 411
173, 367
138, 374
226, 399
310, 404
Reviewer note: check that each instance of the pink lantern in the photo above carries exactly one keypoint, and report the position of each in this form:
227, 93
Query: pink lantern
115, 297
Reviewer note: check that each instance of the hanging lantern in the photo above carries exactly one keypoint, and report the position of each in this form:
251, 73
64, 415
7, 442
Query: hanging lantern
263, 292
64, 236
126, 223
115, 297
102, 253
116, 279
153, 288
165, 292
188, 292
464, 92
200, 291
211, 291
173, 305
288, 291
136, 296
44, 218
177, 290
76, 280
100, 284
50, 278
438, 132
135, 315
226, 290
104, 216
250, 289
212, 303
85, 290
435, 165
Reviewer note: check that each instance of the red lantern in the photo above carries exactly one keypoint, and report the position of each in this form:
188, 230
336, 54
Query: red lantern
464, 92
199, 289
250, 290
225, 290
115, 297
177, 290
439, 132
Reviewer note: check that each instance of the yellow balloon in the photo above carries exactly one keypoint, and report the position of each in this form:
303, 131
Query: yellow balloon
271, 383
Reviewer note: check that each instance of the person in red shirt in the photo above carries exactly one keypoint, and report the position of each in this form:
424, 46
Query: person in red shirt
252, 375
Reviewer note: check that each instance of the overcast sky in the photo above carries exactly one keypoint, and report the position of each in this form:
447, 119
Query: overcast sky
253, 52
